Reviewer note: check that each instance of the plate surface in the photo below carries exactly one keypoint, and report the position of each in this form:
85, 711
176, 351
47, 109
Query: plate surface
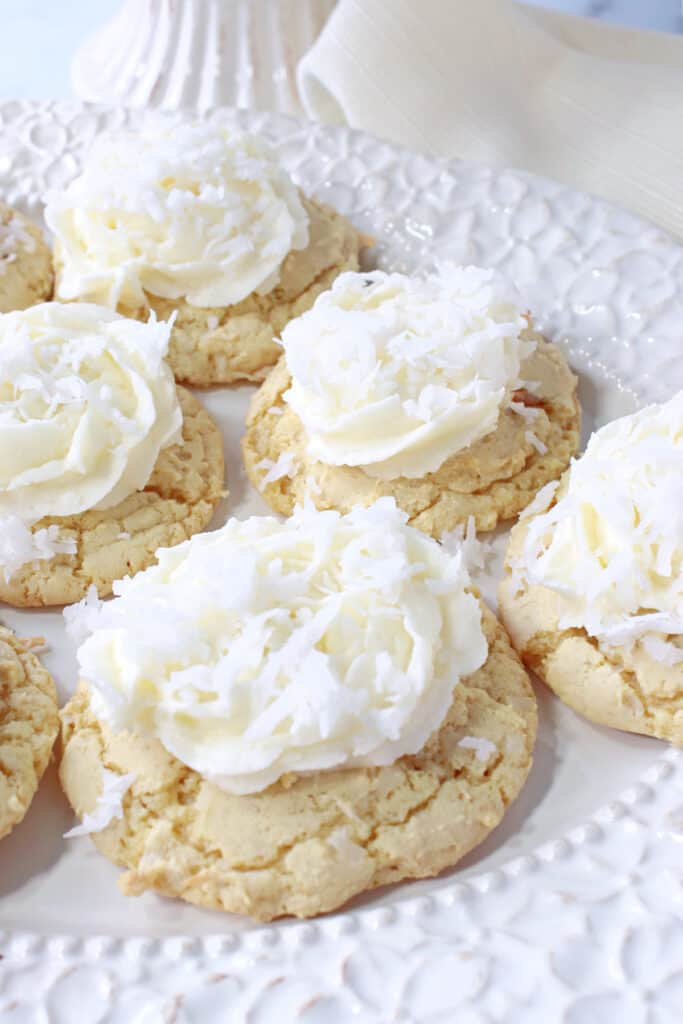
573, 908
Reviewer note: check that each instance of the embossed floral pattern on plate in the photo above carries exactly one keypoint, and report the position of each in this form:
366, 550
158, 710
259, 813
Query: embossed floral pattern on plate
573, 909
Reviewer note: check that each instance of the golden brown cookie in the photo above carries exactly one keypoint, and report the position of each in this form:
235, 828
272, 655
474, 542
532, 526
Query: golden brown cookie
308, 844
25, 262
221, 345
29, 723
492, 480
178, 501
622, 688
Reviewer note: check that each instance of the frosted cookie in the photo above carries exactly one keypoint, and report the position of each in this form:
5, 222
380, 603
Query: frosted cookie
319, 707
593, 591
200, 220
29, 724
102, 458
25, 262
434, 391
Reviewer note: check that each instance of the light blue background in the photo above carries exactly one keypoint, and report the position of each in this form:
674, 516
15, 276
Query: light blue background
658, 14
39, 37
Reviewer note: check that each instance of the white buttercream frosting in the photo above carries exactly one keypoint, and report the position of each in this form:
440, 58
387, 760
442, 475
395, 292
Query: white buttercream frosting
87, 402
192, 210
612, 545
395, 373
270, 647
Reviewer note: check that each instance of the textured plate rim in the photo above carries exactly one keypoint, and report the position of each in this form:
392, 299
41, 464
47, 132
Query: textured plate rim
18, 946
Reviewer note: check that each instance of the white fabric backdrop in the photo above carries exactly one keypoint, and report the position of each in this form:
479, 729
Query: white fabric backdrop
596, 106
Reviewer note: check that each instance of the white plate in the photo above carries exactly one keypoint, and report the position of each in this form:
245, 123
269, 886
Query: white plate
572, 909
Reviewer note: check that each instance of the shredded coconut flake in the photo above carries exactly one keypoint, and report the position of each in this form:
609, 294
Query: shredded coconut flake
535, 442
482, 558
465, 539
542, 500
286, 465
276, 410
527, 412
82, 619
312, 486
212, 322
662, 650
109, 804
20, 546
482, 748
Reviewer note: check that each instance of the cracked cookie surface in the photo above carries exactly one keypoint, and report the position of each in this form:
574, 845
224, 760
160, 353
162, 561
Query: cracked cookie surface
221, 345
25, 262
492, 480
178, 501
625, 689
29, 723
307, 844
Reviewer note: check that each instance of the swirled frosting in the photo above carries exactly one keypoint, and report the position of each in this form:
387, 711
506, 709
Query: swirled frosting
612, 545
193, 210
321, 642
87, 402
394, 374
